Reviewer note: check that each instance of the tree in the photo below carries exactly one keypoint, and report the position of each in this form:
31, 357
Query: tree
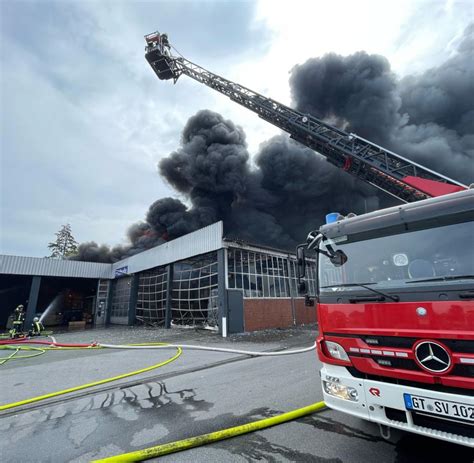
65, 244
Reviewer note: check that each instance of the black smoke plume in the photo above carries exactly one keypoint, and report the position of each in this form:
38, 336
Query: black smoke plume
428, 118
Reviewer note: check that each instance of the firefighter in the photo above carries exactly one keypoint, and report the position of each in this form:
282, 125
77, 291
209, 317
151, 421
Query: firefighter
18, 320
36, 327
165, 44
156, 41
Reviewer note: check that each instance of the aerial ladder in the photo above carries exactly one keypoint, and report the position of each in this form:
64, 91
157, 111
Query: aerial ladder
386, 170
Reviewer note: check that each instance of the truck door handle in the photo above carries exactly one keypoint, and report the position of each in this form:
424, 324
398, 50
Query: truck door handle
467, 295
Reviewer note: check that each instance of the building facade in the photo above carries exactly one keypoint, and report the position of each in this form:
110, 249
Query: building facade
200, 279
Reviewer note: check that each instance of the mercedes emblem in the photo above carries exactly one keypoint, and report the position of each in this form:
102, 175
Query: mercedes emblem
432, 357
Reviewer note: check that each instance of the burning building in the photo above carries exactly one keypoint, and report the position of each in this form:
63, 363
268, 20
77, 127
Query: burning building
199, 279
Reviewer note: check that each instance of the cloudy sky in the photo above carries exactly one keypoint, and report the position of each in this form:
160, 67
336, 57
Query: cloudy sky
84, 120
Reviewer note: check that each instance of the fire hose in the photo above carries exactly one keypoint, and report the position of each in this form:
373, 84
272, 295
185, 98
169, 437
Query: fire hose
197, 441
57, 346
172, 447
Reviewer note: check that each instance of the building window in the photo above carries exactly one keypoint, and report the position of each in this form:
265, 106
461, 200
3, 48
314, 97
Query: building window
195, 298
265, 275
151, 300
120, 298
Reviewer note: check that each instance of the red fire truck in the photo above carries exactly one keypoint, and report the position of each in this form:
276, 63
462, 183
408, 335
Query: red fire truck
396, 316
395, 288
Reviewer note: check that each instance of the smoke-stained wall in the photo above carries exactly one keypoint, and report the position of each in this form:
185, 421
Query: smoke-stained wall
428, 118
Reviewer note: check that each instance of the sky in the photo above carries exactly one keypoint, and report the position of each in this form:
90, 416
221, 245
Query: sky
84, 120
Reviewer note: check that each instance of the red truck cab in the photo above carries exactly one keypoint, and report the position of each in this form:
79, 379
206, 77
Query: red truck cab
396, 316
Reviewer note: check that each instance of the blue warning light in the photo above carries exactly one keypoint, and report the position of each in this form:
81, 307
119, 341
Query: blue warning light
332, 217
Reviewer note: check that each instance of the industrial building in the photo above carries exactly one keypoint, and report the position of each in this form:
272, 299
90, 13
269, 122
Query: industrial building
199, 279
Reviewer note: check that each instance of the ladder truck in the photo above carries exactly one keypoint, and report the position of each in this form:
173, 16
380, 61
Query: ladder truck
395, 292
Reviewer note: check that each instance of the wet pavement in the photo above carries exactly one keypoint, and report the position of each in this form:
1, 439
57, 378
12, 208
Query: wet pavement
198, 393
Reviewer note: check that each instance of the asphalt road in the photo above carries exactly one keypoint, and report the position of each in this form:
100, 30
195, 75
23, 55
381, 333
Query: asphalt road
200, 392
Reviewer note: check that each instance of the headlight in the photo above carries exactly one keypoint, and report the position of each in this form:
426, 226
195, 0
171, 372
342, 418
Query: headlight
341, 391
336, 351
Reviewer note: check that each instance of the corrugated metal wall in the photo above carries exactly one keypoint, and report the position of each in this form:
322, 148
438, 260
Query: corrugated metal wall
19, 265
201, 241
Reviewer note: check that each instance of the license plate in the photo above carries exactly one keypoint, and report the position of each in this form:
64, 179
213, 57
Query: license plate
445, 408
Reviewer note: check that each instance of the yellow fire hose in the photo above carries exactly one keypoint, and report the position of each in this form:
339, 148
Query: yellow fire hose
14, 355
185, 444
85, 386
172, 447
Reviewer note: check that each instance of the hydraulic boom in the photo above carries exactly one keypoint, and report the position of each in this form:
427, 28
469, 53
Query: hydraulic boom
392, 173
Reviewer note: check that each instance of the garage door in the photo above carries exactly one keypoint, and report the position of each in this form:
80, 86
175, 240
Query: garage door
120, 301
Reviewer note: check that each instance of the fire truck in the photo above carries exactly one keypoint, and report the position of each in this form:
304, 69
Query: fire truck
395, 287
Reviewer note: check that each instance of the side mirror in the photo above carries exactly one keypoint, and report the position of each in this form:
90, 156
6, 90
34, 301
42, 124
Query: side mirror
302, 287
338, 259
301, 262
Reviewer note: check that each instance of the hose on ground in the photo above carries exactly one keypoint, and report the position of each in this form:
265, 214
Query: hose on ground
47, 343
52, 345
211, 349
171, 447
14, 355
185, 444
88, 385
171, 346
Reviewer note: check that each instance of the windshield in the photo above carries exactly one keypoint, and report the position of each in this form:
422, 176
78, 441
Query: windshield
439, 255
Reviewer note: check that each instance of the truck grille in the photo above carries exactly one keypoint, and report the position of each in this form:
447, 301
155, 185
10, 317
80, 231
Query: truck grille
455, 345
404, 364
463, 370
379, 347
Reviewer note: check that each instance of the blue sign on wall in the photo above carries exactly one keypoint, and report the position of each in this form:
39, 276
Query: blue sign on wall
121, 272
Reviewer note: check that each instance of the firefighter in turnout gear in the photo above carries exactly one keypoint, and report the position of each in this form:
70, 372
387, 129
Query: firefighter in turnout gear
18, 321
36, 327
165, 44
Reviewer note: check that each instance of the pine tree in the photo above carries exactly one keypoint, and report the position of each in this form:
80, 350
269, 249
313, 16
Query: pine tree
65, 244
